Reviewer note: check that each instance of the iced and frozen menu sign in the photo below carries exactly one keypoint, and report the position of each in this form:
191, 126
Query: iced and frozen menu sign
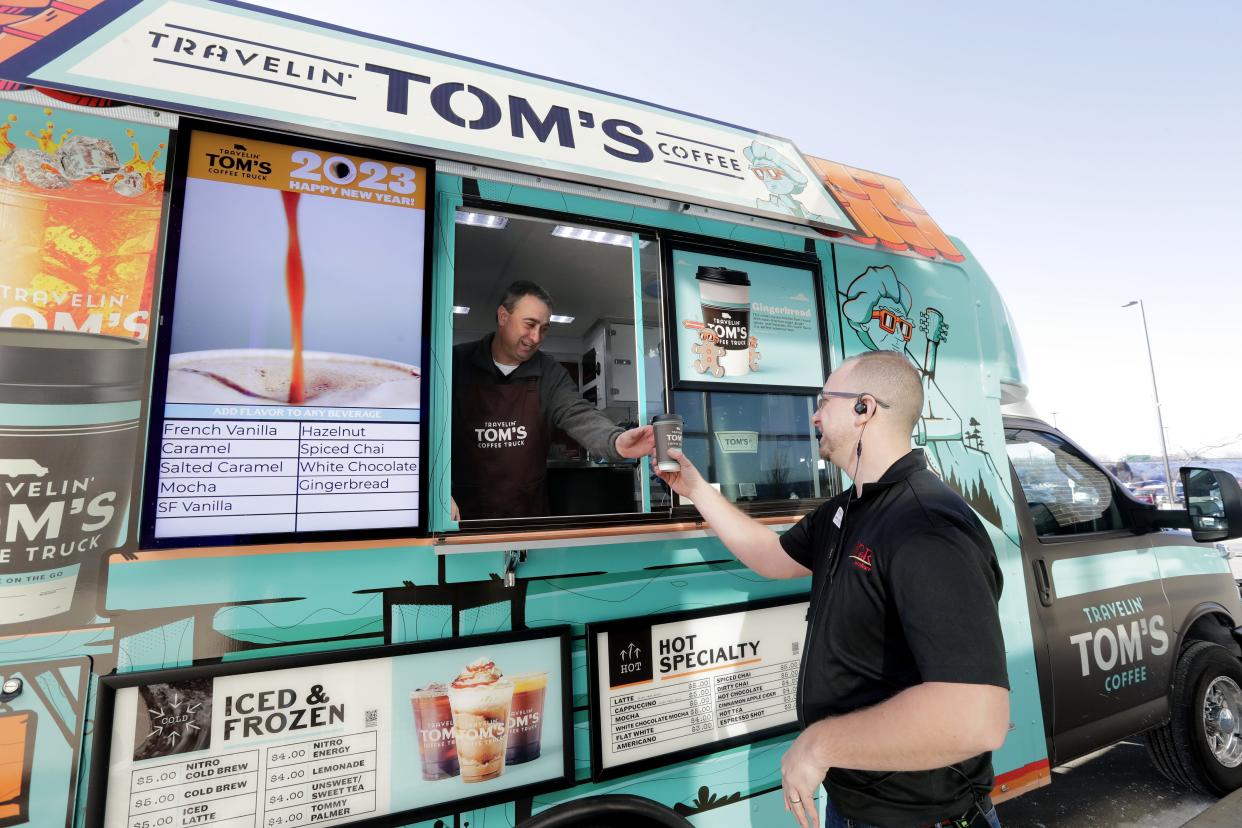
293, 375
669, 687
336, 743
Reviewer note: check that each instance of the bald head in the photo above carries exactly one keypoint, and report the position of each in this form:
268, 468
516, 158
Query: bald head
890, 378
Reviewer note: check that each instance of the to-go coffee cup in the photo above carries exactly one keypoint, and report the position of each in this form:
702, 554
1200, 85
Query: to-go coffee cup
667, 428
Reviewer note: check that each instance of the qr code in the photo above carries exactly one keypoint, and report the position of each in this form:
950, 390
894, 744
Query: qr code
372, 718
795, 648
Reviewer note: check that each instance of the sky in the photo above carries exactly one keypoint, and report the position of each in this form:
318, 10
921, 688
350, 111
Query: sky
1088, 154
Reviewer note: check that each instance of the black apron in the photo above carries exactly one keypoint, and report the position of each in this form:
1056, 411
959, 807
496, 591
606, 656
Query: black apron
500, 460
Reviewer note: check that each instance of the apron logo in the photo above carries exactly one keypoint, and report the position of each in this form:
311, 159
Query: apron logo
495, 435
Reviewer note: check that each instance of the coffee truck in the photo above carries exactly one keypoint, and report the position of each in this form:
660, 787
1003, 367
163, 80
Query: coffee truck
240, 248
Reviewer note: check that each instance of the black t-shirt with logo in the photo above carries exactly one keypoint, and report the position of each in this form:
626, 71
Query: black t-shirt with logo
913, 599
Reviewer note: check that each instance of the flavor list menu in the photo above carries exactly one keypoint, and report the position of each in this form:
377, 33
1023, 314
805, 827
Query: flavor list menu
685, 684
243, 476
318, 744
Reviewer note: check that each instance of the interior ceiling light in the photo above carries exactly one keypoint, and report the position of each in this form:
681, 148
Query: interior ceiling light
564, 320
486, 220
599, 236
461, 310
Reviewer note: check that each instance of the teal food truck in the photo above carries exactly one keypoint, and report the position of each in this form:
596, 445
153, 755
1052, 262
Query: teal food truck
246, 259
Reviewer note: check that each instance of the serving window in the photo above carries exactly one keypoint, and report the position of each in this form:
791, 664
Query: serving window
543, 304
747, 363
540, 443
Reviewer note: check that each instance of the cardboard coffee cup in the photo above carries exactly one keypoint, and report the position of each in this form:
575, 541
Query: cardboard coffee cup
667, 429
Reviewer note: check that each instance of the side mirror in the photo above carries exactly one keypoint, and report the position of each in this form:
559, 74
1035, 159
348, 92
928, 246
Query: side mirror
1214, 502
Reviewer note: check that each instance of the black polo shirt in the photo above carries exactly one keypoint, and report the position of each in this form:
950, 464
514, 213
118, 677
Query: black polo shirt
913, 598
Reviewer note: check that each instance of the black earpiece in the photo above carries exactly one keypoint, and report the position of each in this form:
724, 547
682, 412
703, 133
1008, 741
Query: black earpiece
860, 407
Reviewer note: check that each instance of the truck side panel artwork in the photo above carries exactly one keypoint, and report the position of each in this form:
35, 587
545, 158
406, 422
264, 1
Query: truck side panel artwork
294, 560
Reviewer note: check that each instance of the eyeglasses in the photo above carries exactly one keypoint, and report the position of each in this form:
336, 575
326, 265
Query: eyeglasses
853, 395
774, 173
890, 322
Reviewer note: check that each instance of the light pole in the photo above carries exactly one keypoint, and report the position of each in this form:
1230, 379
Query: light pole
1054, 419
1164, 451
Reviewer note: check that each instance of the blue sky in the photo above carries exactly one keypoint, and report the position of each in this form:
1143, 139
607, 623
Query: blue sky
1087, 154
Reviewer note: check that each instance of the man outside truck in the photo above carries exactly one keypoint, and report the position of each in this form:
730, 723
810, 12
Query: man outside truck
506, 395
903, 691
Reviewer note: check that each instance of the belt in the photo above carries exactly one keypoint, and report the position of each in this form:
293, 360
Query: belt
973, 818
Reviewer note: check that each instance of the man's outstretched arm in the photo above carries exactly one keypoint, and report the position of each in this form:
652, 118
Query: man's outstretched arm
750, 541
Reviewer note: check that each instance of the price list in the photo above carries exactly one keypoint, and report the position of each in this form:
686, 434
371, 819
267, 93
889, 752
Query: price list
321, 781
682, 685
306, 783
680, 710
230, 477
221, 791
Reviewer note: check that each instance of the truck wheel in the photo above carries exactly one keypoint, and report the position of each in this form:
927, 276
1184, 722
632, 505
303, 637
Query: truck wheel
1201, 746
608, 811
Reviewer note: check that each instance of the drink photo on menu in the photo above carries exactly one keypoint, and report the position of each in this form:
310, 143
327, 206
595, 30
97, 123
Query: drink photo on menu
483, 723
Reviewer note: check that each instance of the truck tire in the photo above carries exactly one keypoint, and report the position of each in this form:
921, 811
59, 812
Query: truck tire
608, 811
1201, 745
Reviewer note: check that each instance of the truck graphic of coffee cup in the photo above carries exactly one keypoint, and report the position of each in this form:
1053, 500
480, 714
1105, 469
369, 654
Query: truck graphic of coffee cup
725, 342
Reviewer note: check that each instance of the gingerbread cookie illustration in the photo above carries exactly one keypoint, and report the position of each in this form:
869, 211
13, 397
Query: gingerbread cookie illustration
709, 351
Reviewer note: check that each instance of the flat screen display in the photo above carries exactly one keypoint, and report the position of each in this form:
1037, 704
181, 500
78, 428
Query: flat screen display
292, 360
744, 322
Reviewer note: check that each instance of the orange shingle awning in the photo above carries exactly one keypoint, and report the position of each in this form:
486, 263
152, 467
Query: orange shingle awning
884, 210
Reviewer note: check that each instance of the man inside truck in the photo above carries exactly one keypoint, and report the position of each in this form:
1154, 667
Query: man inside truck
903, 690
506, 396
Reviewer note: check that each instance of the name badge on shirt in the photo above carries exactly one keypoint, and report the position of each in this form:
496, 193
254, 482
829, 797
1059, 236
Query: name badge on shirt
836, 519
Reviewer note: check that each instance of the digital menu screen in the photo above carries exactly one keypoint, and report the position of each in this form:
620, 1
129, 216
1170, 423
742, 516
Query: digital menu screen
292, 351
744, 322
415, 731
669, 687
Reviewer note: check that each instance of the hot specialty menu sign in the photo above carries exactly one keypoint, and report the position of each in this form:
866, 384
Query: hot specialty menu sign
293, 375
668, 687
335, 743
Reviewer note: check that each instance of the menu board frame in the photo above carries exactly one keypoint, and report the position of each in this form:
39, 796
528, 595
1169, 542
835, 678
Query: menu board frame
104, 723
600, 773
679, 380
165, 319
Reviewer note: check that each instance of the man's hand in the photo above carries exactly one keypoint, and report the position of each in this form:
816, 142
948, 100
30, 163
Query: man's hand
454, 512
802, 771
637, 442
683, 482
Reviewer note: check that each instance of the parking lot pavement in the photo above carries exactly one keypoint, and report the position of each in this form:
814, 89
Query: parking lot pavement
1115, 788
